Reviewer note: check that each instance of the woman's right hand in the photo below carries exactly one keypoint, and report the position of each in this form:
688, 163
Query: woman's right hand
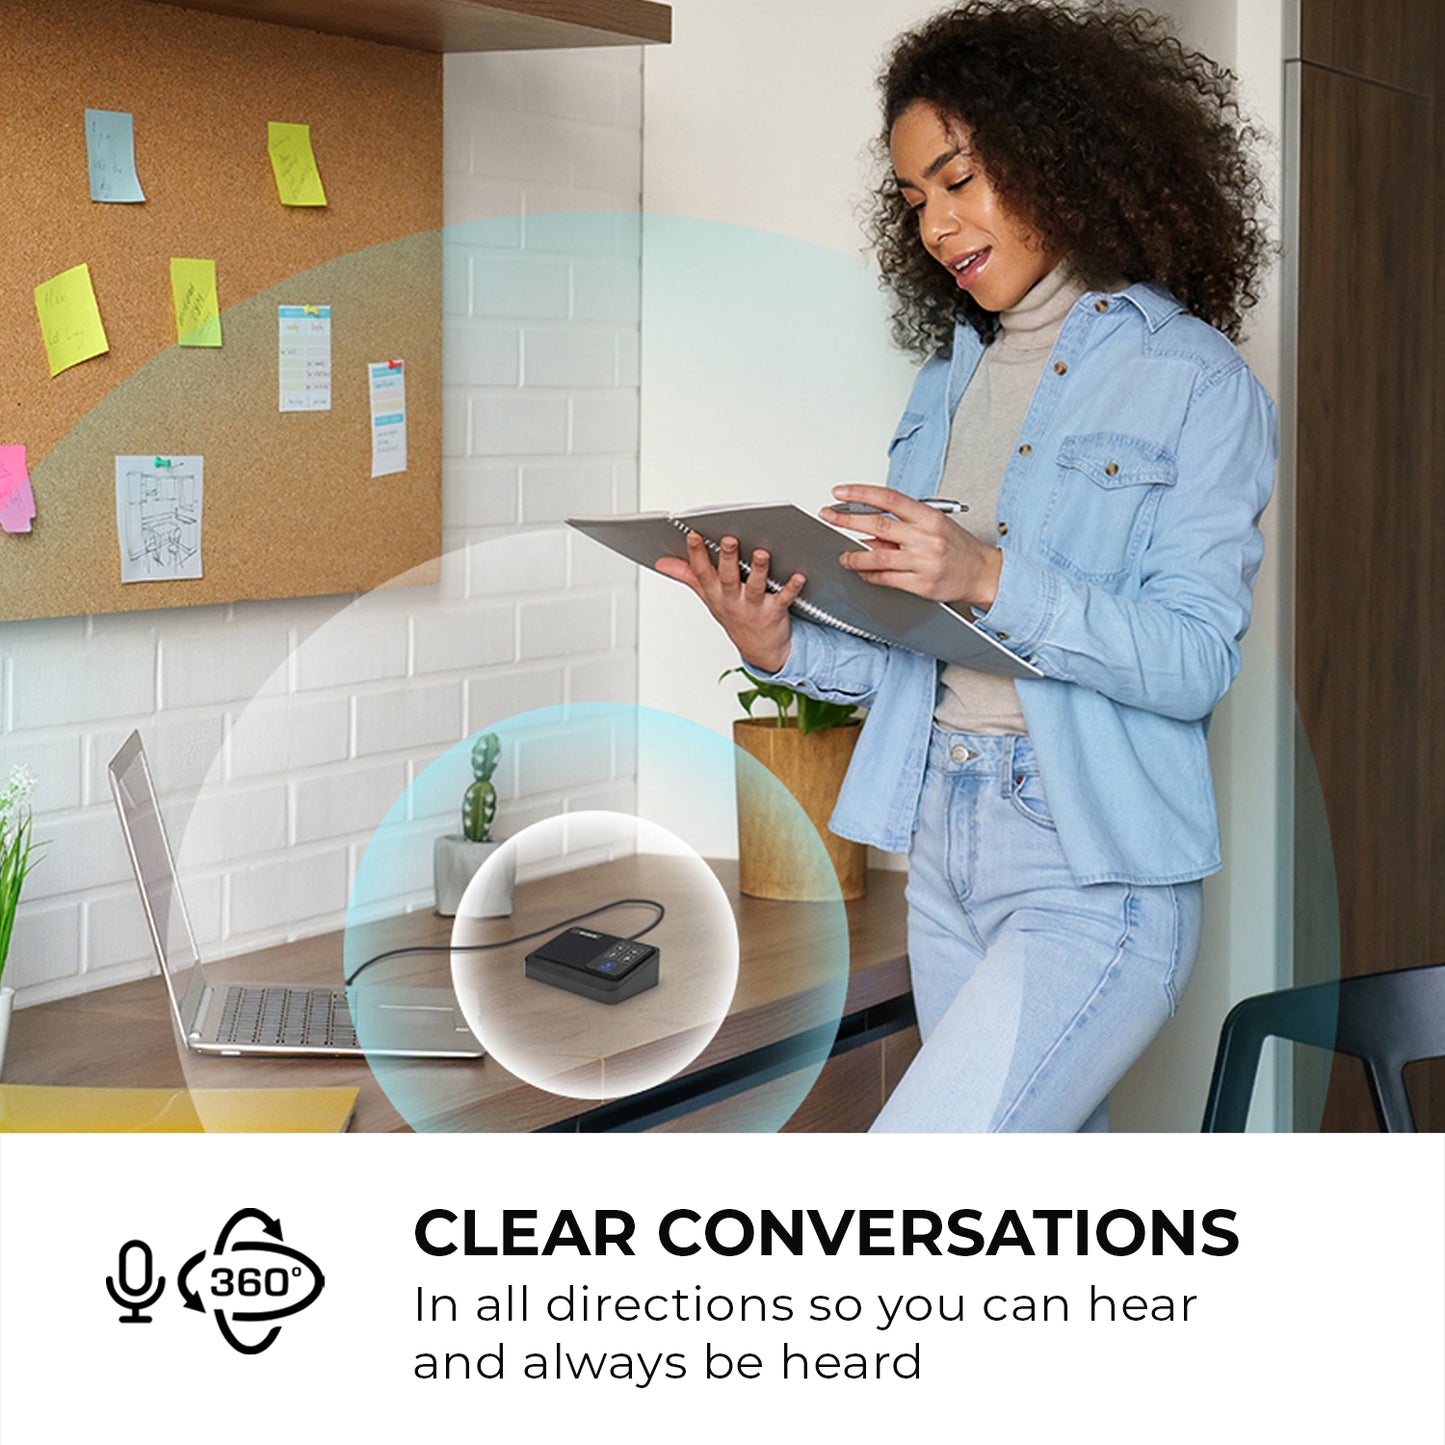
755, 619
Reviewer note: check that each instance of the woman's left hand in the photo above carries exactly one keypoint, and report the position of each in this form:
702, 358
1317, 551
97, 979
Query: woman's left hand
918, 549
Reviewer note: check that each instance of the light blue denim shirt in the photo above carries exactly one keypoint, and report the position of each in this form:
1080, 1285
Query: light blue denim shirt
1129, 525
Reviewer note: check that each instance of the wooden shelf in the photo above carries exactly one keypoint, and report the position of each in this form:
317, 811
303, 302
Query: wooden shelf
446, 26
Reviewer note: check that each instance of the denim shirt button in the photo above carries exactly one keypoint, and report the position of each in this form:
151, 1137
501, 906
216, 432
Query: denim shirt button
1061, 367
959, 754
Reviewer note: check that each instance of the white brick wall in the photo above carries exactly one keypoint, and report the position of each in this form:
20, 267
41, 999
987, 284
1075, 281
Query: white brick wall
280, 733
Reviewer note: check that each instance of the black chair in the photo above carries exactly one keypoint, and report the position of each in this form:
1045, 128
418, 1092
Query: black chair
1386, 1020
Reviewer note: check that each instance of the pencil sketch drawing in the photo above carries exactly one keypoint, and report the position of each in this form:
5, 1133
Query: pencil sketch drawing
158, 512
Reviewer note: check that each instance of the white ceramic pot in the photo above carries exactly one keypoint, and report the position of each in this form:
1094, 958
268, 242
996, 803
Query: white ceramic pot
7, 1005
456, 861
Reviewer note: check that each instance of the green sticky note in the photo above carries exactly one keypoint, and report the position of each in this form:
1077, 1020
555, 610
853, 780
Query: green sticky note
297, 179
198, 311
70, 319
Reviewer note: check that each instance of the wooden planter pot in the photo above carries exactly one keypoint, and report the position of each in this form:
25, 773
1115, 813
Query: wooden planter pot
811, 768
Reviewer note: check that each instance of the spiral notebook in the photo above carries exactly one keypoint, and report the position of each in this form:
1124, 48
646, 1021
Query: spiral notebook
800, 542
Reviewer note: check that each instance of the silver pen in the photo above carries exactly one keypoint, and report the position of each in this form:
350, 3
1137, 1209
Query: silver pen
862, 509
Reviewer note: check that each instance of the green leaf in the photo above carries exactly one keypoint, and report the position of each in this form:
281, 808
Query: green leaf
815, 716
18, 856
781, 697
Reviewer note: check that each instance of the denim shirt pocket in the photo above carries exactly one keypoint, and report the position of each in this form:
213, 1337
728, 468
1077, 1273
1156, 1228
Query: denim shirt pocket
900, 449
1106, 490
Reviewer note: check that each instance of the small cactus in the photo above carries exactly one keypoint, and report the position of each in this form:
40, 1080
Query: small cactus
479, 803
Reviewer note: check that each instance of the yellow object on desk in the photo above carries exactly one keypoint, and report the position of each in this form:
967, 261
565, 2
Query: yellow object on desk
45, 1109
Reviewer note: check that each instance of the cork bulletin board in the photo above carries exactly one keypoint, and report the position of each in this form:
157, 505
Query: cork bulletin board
290, 506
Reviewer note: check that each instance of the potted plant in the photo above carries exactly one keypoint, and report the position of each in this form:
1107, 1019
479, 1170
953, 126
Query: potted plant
807, 747
17, 858
457, 856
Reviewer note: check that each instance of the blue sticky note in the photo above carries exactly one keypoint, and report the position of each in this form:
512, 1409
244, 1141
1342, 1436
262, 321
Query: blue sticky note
110, 151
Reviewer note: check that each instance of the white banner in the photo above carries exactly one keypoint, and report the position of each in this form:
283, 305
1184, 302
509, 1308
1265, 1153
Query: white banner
623, 1288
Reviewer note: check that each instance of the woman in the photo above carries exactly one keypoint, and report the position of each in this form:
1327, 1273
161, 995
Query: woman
1069, 236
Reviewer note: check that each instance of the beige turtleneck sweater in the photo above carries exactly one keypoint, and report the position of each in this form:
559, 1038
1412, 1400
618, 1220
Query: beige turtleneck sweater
985, 432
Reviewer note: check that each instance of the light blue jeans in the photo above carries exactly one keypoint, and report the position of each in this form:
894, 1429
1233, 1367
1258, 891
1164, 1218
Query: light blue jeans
1034, 994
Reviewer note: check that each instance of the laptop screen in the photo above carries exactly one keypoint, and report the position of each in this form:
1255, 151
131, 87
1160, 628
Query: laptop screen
155, 873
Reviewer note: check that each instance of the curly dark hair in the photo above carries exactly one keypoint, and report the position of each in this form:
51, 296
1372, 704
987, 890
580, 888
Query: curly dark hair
1124, 151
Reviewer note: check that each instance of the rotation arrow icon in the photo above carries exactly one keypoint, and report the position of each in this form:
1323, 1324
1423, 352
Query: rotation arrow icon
268, 1226
193, 1300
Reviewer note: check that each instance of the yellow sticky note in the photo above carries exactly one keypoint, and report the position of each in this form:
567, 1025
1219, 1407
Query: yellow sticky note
297, 179
70, 319
198, 311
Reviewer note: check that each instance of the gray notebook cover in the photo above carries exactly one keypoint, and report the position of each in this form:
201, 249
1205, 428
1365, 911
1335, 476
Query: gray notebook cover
799, 542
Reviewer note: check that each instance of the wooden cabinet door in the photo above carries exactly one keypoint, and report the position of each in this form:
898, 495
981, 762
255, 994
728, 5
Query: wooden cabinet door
1368, 506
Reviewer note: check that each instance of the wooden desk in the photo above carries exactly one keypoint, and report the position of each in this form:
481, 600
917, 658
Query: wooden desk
123, 1036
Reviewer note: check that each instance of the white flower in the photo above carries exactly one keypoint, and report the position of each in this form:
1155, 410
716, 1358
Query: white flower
18, 787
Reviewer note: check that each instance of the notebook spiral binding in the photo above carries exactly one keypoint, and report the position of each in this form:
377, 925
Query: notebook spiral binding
814, 614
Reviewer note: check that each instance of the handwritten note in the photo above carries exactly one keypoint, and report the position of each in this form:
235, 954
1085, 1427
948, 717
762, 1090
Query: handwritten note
70, 319
17, 501
110, 153
388, 417
198, 310
158, 517
305, 357
298, 181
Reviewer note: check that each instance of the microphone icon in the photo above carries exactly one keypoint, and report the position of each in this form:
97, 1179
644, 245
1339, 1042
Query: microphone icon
132, 1297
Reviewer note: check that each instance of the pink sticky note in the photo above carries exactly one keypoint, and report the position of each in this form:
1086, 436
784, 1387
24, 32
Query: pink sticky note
12, 471
18, 510
17, 501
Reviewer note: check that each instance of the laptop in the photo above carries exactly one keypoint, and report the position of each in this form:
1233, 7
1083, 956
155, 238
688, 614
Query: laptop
222, 1016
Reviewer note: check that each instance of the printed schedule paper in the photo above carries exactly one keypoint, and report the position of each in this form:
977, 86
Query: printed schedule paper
110, 156
158, 517
70, 319
305, 360
388, 417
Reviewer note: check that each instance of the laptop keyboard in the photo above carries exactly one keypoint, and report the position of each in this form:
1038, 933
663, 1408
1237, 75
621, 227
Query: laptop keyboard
287, 1016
